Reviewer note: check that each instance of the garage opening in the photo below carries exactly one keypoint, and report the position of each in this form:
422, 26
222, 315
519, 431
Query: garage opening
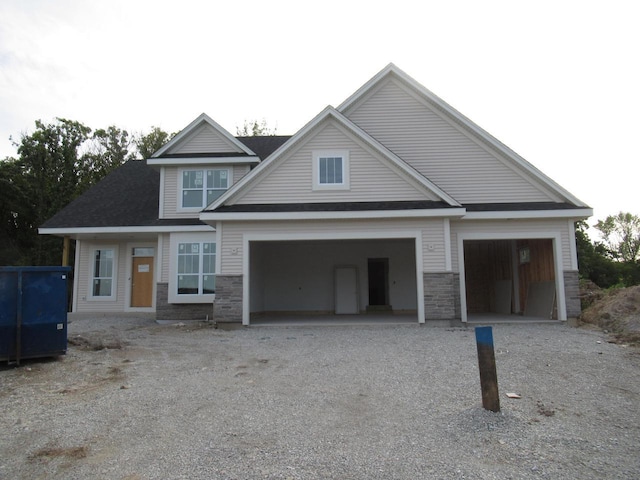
505, 278
303, 278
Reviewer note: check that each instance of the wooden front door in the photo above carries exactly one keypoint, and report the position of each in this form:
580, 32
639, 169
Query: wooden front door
142, 282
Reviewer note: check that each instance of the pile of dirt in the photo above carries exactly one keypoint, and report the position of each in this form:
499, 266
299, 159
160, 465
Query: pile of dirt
616, 311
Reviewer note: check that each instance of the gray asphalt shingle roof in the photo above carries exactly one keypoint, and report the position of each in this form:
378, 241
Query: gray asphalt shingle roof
128, 196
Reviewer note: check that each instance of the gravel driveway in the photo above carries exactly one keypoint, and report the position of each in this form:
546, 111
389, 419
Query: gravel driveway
339, 402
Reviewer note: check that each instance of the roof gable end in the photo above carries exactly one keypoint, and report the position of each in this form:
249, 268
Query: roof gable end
203, 136
392, 72
329, 113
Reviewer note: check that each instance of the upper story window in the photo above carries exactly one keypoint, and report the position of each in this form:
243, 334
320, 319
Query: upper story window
331, 170
201, 187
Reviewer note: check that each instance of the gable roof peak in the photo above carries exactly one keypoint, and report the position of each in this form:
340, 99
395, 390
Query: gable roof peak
203, 118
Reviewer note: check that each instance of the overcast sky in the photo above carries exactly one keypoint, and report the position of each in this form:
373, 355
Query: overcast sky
557, 81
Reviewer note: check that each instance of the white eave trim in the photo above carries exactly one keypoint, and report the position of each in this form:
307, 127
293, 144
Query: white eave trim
422, 213
180, 162
111, 230
577, 213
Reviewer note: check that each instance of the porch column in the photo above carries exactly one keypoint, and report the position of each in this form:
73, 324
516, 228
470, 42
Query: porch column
65, 251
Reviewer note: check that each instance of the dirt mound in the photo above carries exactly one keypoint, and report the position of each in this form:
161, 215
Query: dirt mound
616, 311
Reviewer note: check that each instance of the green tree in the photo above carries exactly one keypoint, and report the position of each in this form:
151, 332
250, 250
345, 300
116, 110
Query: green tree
148, 144
255, 128
15, 214
105, 151
49, 163
594, 262
621, 234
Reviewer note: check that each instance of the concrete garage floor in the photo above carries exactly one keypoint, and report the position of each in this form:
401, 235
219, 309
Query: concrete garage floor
387, 319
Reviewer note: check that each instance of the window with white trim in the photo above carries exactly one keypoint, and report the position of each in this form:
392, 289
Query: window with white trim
102, 276
196, 267
201, 187
330, 170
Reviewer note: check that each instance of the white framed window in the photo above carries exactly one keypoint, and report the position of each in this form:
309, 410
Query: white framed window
192, 268
103, 273
196, 273
331, 170
200, 187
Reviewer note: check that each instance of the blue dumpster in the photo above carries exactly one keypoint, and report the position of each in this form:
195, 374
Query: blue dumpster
33, 312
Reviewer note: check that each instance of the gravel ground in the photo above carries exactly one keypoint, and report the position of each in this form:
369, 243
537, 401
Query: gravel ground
339, 402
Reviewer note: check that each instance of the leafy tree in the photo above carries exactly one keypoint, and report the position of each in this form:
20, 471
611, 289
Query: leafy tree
621, 234
15, 213
49, 164
106, 150
593, 260
255, 128
150, 143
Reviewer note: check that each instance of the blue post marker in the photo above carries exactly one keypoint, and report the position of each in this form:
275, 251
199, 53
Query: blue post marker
487, 365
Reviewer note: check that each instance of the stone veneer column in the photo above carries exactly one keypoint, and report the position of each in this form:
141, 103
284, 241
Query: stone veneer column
572, 293
228, 304
441, 296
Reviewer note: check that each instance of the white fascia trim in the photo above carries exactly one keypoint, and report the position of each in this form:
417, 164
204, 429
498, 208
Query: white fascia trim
578, 213
572, 244
181, 162
203, 117
447, 244
161, 197
433, 213
94, 230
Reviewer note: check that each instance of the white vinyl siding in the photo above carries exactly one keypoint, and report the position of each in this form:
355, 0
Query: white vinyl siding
164, 257
204, 140
240, 171
86, 303
502, 229
371, 178
448, 155
432, 232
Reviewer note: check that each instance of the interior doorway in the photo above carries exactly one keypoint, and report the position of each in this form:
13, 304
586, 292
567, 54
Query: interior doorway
378, 275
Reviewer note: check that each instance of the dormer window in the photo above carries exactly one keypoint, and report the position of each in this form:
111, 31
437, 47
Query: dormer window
202, 186
331, 170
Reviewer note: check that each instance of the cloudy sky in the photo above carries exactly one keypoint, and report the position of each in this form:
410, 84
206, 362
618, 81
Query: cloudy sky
557, 81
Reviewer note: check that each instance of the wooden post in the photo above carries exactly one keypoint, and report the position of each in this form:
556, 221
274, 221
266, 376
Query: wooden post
65, 252
487, 365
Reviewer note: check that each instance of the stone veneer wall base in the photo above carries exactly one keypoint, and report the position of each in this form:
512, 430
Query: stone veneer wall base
441, 296
182, 311
572, 293
227, 307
